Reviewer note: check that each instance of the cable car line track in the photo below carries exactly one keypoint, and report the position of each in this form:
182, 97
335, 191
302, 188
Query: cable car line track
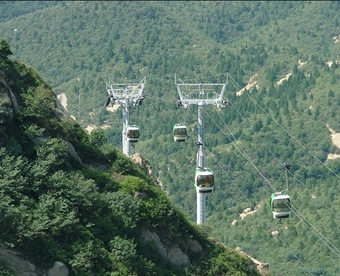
303, 220
290, 135
263, 219
265, 144
309, 225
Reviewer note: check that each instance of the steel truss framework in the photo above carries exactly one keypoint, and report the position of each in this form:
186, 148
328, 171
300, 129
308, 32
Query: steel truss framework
201, 94
127, 95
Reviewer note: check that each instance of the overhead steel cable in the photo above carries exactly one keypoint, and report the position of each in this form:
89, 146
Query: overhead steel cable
290, 135
263, 219
309, 225
272, 153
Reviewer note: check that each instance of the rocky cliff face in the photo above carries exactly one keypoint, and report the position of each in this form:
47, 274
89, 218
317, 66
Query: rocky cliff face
172, 252
22, 267
8, 100
146, 167
10, 258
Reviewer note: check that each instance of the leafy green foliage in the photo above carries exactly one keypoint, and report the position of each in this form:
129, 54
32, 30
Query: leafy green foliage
5, 50
83, 211
38, 103
126, 207
123, 250
97, 137
245, 144
6, 269
122, 165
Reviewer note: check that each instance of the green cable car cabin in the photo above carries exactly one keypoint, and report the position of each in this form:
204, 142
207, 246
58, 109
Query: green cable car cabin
180, 132
280, 206
132, 133
204, 180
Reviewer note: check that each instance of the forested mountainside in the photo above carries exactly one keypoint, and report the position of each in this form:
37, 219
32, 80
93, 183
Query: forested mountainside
280, 60
68, 197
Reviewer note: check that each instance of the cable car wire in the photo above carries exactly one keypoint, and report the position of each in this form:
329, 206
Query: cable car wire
296, 212
300, 261
263, 219
290, 135
275, 157
309, 225
245, 92
329, 244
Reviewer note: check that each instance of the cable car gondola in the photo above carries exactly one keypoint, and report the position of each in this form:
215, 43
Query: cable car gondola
280, 205
180, 132
132, 133
204, 180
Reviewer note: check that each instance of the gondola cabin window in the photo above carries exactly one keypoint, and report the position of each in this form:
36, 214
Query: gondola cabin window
281, 205
205, 180
181, 131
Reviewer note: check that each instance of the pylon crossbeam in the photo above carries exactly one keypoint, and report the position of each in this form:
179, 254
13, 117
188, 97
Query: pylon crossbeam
125, 95
120, 91
194, 93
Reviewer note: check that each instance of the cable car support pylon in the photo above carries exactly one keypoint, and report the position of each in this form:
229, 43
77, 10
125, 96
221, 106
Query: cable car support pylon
201, 94
127, 95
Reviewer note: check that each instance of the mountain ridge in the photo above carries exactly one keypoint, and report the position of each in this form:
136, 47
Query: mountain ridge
247, 143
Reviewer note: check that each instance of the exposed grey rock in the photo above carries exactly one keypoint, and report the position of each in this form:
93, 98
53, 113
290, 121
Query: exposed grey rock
172, 252
72, 152
20, 266
148, 236
145, 165
176, 256
263, 268
8, 100
141, 195
58, 269
194, 246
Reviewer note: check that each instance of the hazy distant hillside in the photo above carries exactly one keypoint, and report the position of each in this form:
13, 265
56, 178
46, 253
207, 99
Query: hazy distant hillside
288, 53
13, 9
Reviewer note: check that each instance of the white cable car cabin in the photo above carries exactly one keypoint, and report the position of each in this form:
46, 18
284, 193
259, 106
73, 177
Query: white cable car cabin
280, 205
204, 180
180, 133
132, 133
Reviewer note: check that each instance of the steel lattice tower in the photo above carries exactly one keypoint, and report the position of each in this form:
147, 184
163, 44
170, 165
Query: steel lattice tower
201, 94
127, 95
